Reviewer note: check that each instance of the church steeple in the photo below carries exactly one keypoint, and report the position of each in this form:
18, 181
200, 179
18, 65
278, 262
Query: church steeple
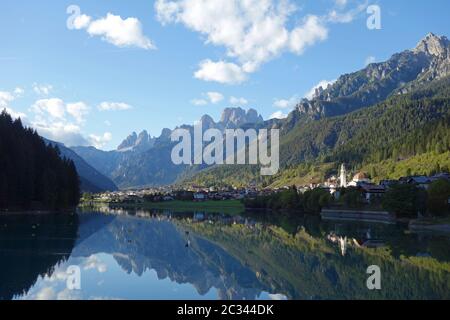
343, 177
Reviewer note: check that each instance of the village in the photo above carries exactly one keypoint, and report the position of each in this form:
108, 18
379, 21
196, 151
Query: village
370, 192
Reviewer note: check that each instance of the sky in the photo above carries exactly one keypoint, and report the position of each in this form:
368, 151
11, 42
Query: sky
86, 72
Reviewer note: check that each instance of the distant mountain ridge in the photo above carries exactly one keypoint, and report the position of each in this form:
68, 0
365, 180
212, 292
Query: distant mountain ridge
141, 160
91, 179
428, 61
310, 130
231, 118
134, 142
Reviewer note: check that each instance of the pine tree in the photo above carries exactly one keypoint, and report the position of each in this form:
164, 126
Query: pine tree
33, 175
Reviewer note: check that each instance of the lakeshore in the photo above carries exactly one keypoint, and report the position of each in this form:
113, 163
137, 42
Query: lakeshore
236, 207
224, 206
358, 215
430, 225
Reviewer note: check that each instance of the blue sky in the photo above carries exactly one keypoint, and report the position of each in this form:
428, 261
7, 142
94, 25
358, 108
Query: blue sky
156, 64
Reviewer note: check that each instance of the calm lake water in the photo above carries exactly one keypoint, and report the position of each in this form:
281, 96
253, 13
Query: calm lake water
162, 255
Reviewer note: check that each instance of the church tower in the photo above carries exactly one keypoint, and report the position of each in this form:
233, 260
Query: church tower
343, 177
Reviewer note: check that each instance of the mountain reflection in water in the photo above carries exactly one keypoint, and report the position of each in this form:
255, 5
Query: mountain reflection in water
161, 255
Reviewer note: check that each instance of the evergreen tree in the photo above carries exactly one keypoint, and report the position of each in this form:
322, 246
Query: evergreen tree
33, 175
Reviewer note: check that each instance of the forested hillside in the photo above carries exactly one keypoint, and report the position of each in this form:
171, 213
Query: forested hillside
33, 176
396, 130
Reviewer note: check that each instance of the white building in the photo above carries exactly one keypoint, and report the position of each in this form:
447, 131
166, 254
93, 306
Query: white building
359, 179
343, 177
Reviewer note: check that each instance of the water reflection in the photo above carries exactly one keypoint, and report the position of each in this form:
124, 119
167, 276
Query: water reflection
161, 255
32, 247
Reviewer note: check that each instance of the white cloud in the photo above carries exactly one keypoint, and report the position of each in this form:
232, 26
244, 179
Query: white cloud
18, 92
42, 89
199, 102
82, 22
68, 295
322, 84
51, 122
221, 71
100, 141
278, 115
286, 103
341, 17
94, 262
209, 97
46, 293
238, 101
215, 97
312, 31
115, 30
14, 114
341, 3
55, 108
338, 16
252, 31
6, 98
369, 60
291, 102
60, 131
114, 106
59, 121
78, 110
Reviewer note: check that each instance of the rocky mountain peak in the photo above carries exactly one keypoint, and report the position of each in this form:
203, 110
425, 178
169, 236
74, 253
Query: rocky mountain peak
434, 45
253, 116
400, 74
129, 142
235, 117
142, 138
135, 142
165, 133
207, 122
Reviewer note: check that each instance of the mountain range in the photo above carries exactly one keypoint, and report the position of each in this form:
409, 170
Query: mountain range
404, 100
141, 160
91, 180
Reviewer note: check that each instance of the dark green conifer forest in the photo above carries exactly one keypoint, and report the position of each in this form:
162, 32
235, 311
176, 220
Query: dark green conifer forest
33, 175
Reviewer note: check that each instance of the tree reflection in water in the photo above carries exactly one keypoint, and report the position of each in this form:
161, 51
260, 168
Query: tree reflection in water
240, 257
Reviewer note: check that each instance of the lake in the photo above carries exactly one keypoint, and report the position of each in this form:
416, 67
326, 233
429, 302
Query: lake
138, 254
